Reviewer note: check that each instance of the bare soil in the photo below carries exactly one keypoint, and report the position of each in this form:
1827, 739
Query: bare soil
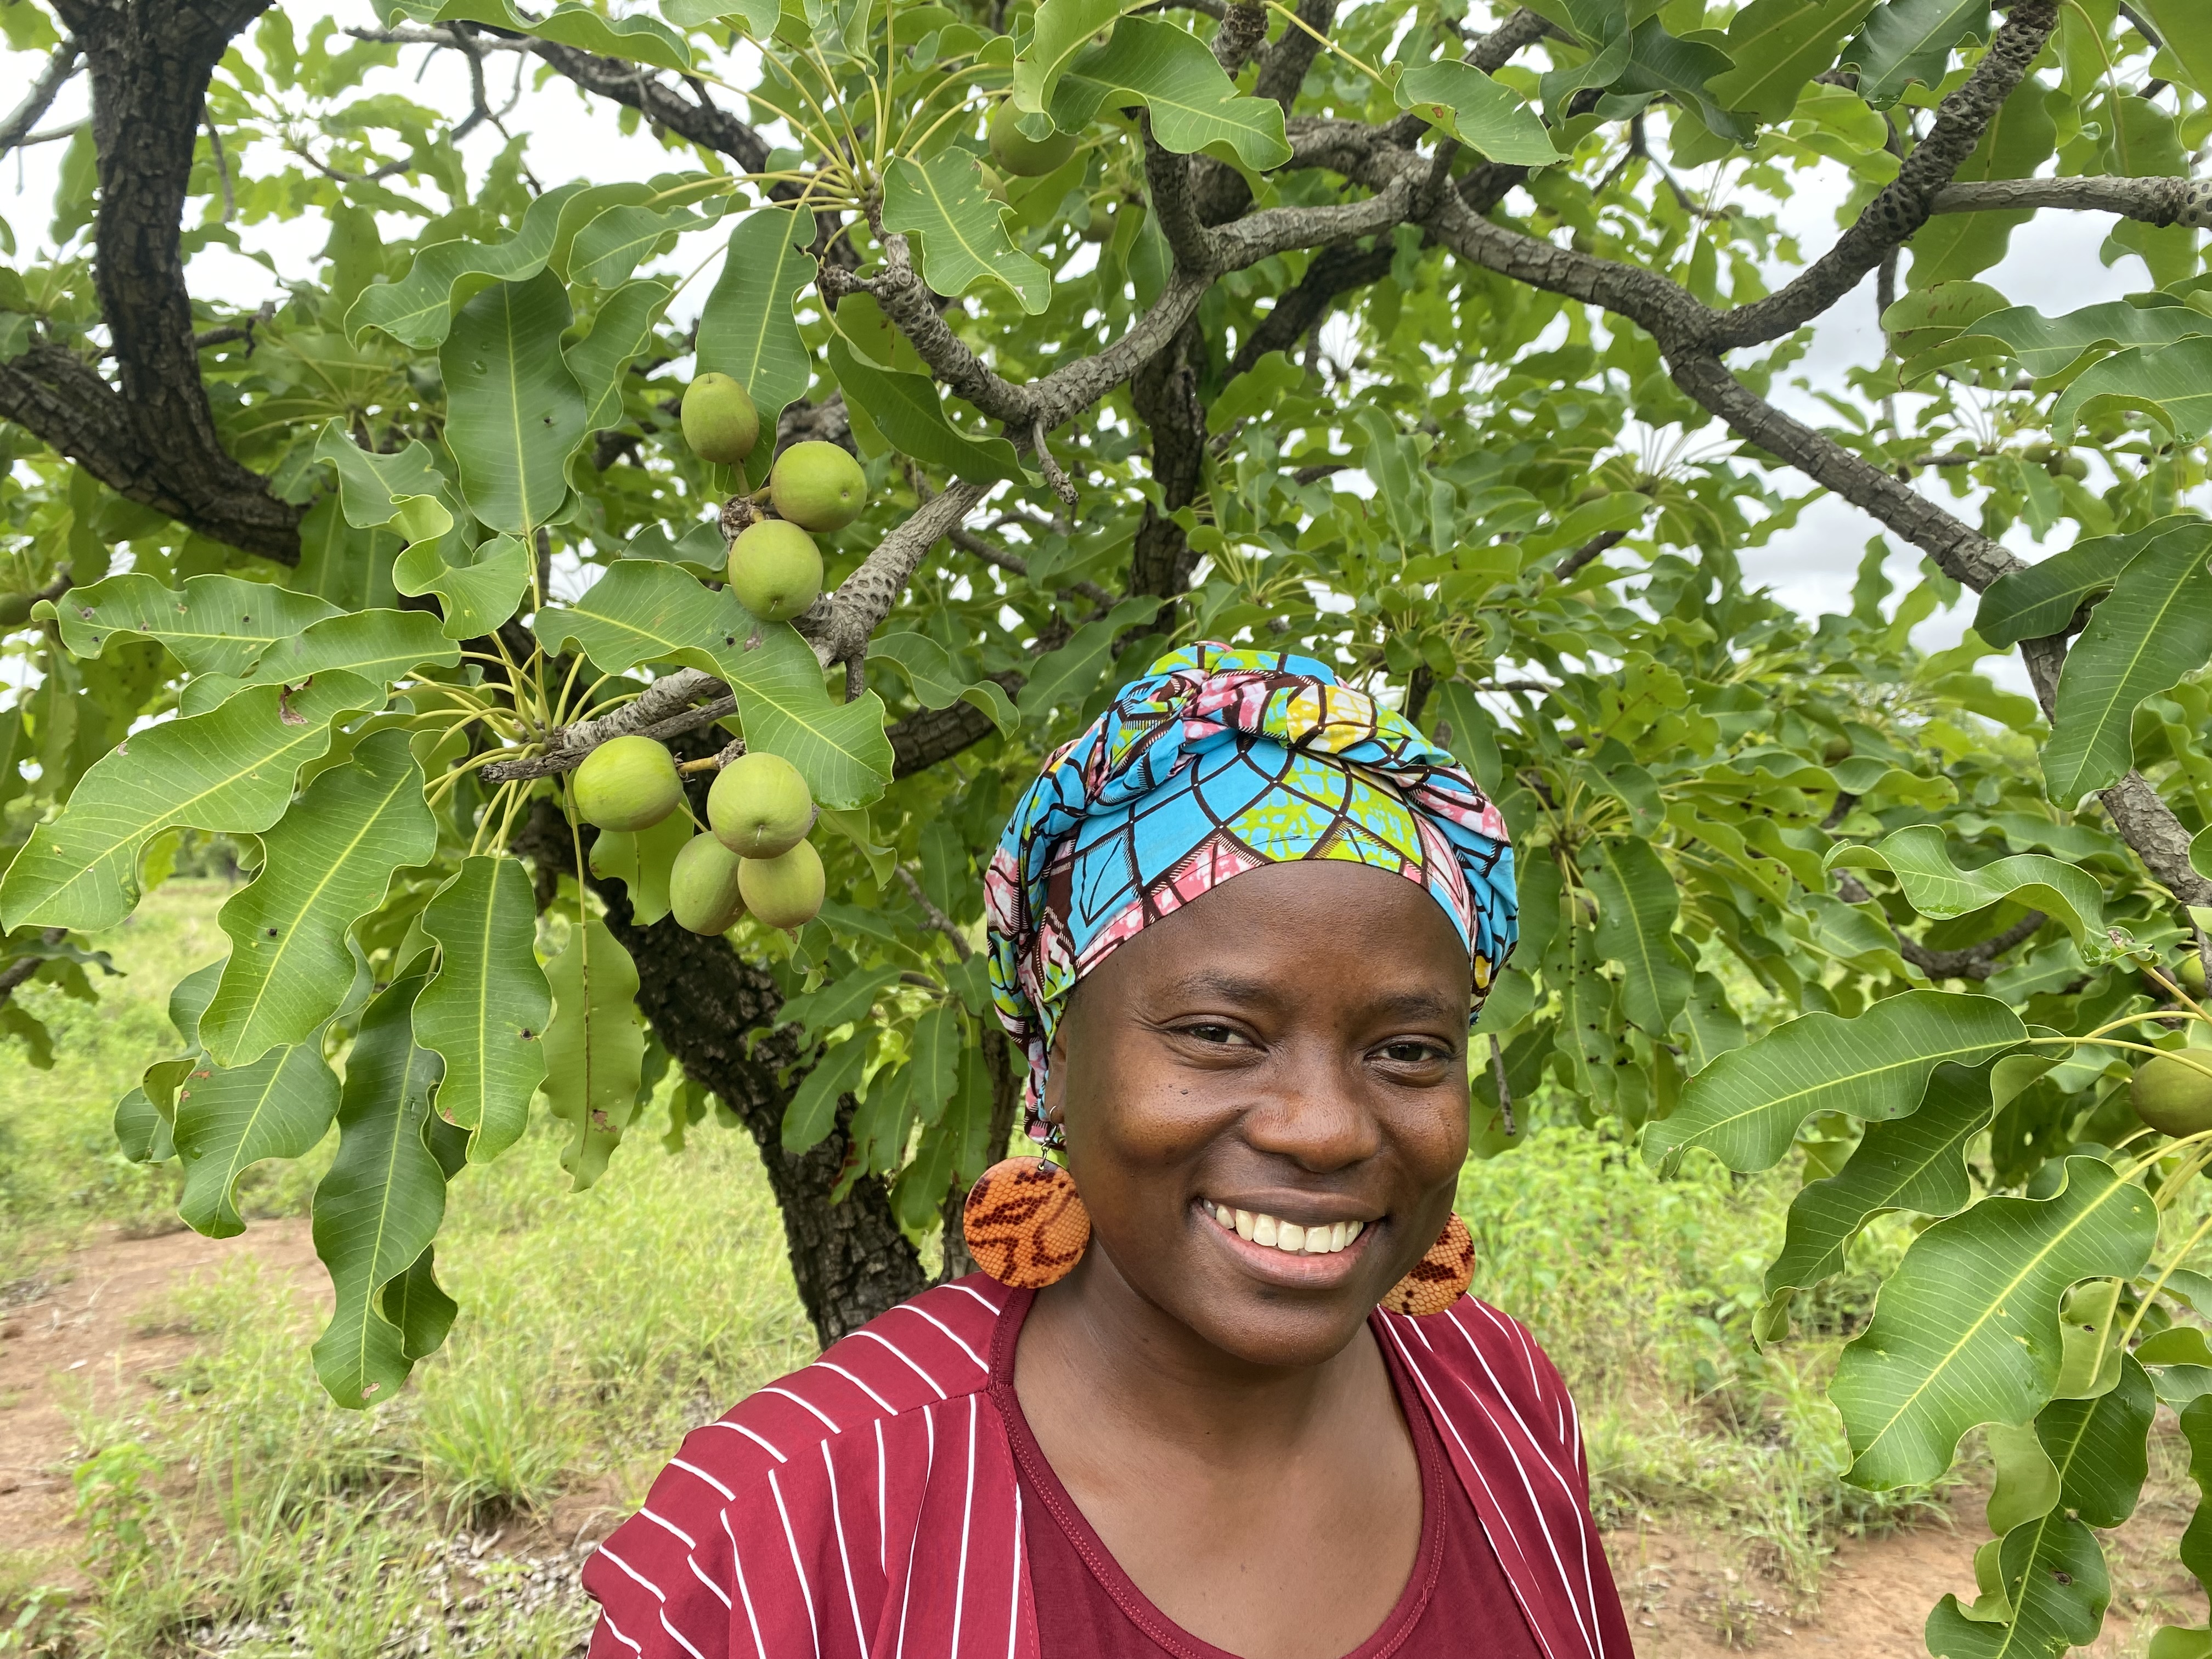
88, 1332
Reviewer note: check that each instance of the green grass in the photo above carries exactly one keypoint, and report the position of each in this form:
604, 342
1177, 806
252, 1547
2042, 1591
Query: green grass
236, 1510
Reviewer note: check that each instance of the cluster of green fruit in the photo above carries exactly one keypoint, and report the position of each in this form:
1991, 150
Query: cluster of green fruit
776, 569
756, 859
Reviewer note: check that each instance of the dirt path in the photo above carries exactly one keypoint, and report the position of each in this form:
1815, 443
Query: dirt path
90, 1332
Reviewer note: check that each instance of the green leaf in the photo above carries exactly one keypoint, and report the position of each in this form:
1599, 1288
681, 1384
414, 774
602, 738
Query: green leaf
478, 587
2173, 385
2100, 1447
2181, 26
1916, 1163
1745, 1106
486, 1010
345, 567
2055, 1587
227, 1120
640, 859
326, 864
1934, 886
965, 236
1257, 390
1778, 46
758, 17
643, 610
2027, 1482
2040, 600
935, 679
1064, 30
215, 625
405, 491
638, 39
813, 1110
419, 309
1193, 104
1909, 40
909, 412
2196, 1541
419, 1308
839, 1002
513, 411
935, 1064
229, 771
2048, 346
2155, 627
1483, 114
379, 645
594, 1047
379, 1207
1636, 907
1073, 671
746, 329
621, 331
1966, 1329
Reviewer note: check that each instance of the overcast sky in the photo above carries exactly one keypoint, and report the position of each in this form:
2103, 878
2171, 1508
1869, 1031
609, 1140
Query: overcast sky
2053, 264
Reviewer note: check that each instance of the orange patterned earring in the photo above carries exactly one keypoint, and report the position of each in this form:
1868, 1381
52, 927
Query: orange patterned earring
1438, 1279
1025, 1223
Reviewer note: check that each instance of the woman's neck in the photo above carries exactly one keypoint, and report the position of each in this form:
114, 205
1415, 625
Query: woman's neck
1094, 1342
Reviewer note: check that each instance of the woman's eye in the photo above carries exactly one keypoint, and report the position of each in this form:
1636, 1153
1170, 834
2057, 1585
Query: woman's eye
1208, 1032
1414, 1052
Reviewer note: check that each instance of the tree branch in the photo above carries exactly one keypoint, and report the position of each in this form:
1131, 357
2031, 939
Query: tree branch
1903, 205
2154, 201
151, 437
624, 82
60, 67
1243, 30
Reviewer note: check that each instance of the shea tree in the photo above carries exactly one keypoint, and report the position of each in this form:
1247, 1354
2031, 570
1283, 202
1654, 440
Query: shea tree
965, 355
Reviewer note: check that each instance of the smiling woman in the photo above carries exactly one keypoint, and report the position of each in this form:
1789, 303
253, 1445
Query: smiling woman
1188, 1421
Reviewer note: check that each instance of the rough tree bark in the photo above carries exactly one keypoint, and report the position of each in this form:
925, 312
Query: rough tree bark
849, 1259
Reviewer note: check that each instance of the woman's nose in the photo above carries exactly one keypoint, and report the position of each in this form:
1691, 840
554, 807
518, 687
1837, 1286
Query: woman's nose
1312, 1111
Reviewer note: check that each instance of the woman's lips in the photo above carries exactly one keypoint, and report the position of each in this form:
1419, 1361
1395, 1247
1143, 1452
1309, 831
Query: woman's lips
1296, 1262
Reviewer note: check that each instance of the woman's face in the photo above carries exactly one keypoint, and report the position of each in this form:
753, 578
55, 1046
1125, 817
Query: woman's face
1292, 1045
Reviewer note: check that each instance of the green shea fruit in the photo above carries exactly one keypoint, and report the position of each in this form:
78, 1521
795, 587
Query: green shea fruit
628, 783
1024, 157
760, 807
817, 486
776, 569
2188, 974
785, 891
720, 422
1836, 750
2172, 1096
702, 887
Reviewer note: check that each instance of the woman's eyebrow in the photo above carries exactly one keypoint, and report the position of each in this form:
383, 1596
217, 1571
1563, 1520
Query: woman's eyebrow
1228, 985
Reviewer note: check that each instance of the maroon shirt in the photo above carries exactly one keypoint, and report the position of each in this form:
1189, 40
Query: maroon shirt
869, 1506
1456, 1601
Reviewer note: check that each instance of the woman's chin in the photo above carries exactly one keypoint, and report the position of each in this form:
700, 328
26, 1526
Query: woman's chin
1268, 1306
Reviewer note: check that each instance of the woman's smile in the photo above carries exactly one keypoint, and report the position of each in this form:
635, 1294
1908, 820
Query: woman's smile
1315, 1256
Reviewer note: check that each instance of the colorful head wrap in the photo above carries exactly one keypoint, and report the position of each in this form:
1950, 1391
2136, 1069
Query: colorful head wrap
1219, 761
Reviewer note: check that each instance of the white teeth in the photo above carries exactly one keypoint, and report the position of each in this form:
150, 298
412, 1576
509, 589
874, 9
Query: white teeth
1292, 1238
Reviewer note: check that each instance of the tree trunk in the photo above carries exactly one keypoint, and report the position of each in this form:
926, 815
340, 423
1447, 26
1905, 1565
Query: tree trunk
850, 1260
